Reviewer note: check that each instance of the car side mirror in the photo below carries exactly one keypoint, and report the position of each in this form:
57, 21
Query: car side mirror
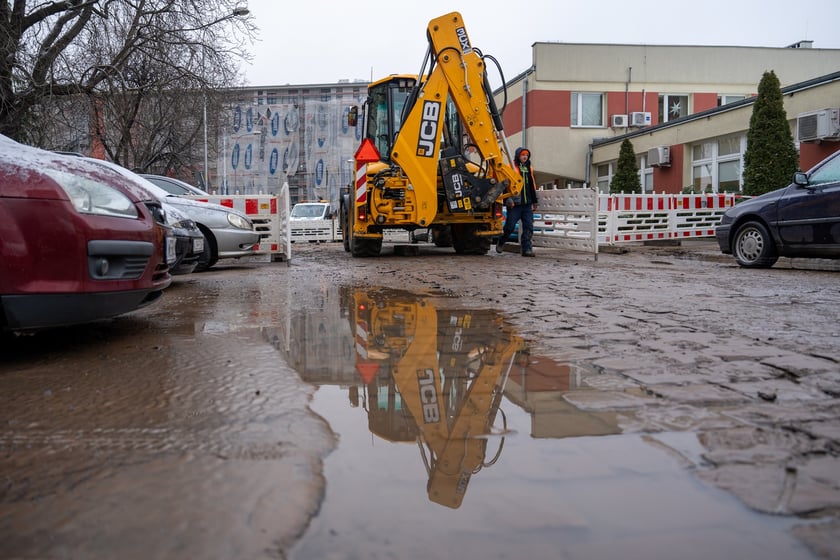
800, 179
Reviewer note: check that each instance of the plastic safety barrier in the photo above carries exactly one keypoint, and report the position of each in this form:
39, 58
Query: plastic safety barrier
330, 230
270, 214
567, 219
314, 230
580, 219
644, 217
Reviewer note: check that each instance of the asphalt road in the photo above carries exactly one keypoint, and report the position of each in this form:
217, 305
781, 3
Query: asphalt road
184, 430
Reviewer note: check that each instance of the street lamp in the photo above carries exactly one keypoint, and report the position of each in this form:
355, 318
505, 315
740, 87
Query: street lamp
238, 11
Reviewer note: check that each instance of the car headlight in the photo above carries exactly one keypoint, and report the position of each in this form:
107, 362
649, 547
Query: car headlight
92, 197
185, 223
239, 222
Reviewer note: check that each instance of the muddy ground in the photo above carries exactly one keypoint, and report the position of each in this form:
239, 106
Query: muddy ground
184, 430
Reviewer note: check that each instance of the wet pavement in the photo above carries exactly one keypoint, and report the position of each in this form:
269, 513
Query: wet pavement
656, 403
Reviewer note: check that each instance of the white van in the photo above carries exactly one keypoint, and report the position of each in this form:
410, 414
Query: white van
311, 211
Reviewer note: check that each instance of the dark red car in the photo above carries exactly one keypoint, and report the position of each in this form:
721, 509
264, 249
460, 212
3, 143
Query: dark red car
78, 242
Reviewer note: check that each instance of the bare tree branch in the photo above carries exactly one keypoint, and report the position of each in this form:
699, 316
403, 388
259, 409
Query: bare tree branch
123, 57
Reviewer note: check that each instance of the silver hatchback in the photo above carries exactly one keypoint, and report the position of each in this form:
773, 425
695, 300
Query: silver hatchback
228, 233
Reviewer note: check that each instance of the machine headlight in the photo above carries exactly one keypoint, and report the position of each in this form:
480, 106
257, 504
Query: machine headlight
239, 222
92, 197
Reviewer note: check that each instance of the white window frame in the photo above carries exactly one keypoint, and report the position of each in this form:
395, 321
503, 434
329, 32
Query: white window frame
576, 109
645, 173
713, 162
665, 103
603, 181
727, 98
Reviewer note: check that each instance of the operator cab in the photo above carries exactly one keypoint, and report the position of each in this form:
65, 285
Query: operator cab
389, 100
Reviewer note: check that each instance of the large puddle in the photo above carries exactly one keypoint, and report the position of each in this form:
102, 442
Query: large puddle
457, 440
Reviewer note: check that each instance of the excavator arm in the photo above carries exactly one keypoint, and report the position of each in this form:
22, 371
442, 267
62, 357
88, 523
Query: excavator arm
449, 368
456, 72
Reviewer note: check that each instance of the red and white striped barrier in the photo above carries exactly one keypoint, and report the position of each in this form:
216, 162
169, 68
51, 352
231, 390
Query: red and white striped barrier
580, 219
644, 217
269, 221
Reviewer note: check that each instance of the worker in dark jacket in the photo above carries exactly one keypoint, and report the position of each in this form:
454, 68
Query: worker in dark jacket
522, 207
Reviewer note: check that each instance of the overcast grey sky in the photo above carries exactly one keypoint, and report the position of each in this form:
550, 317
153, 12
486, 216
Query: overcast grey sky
324, 41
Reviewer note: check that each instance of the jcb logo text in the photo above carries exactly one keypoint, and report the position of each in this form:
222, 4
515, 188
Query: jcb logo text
428, 129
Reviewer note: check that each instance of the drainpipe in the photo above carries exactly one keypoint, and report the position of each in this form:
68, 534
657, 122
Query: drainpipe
525, 110
527, 73
627, 91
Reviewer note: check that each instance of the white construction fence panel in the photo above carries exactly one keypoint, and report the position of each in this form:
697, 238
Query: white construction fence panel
314, 230
574, 219
567, 219
270, 214
644, 217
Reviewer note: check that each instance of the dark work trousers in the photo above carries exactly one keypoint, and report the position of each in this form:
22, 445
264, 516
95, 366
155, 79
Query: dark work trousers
525, 213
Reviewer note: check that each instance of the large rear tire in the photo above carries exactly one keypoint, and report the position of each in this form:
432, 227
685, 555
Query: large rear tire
466, 242
442, 237
753, 246
358, 247
345, 226
363, 247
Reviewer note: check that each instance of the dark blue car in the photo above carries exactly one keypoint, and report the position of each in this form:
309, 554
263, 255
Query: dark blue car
800, 220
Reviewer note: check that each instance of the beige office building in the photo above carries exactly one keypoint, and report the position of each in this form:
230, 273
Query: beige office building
689, 104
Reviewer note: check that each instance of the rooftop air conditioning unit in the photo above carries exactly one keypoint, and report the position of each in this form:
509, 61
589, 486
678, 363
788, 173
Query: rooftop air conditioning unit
619, 121
818, 125
639, 119
659, 156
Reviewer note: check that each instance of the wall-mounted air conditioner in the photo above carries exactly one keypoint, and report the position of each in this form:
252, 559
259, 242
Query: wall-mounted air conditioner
818, 125
618, 121
639, 119
659, 156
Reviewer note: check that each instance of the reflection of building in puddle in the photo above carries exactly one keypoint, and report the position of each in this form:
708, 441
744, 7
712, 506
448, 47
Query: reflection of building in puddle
316, 339
542, 386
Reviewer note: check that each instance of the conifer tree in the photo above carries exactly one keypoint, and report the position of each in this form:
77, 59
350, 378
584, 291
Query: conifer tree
626, 178
771, 158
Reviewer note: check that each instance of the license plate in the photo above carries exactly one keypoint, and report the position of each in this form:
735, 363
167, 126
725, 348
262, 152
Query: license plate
170, 250
198, 245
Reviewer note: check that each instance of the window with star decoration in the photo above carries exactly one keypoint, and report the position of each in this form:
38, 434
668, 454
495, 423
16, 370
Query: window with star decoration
672, 106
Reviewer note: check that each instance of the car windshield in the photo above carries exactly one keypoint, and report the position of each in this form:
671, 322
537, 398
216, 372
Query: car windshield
147, 185
153, 189
828, 173
308, 211
174, 186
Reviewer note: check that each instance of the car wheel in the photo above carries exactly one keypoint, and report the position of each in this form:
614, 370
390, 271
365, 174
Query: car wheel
753, 246
209, 256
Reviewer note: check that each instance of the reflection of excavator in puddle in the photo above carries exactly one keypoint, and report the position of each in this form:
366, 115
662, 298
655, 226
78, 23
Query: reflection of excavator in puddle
435, 375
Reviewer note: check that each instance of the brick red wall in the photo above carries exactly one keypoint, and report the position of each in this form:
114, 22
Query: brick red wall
704, 101
618, 102
669, 179
812, 154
